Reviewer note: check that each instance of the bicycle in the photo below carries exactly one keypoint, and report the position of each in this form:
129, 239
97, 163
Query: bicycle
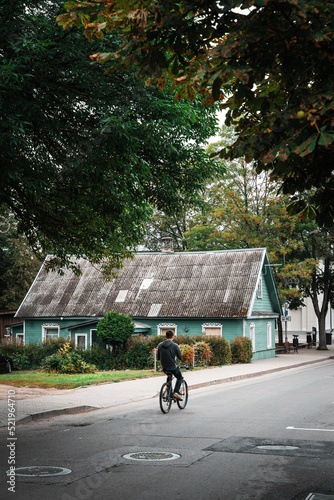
166, 393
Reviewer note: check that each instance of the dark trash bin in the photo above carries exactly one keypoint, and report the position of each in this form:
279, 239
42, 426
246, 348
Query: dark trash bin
314, 334
295, 342
309, 339
328, 338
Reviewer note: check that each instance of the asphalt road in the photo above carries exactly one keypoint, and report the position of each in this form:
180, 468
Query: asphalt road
269, 438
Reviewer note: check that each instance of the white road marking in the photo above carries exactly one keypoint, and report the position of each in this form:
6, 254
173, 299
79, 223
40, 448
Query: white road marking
306, 429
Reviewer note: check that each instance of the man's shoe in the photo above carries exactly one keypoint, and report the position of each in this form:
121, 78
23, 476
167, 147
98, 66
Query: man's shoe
177, 396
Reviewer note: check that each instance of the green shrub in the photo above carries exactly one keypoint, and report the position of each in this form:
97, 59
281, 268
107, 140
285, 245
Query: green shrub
31, 356
20, 361
242, 350
67, 360
139, 354
220, 349
115, 329
183, 339
98, 356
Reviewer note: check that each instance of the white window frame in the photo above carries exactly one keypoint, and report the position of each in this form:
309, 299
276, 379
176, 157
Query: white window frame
49, 326
91, 336
76, 340
212, 325
252, 334
269, 335
259, 289
167, 326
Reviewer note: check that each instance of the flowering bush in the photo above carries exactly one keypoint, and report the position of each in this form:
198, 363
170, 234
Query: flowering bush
67, 360
187, 352
203, 353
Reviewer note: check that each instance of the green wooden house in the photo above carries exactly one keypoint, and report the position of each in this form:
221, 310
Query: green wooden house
225, 293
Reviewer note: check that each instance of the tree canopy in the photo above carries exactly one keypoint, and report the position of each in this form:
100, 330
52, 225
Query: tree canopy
83, 155
269, 62
115, 329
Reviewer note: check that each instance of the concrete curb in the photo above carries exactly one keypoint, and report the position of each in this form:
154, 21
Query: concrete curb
55, 413
256, 374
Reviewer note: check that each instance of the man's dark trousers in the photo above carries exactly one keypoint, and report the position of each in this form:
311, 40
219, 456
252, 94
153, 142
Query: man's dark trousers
178, 375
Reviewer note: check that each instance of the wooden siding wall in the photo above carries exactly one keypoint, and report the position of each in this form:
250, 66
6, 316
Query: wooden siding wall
264, 304
6, 319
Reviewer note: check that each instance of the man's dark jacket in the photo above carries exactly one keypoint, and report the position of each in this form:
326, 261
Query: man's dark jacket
167, 350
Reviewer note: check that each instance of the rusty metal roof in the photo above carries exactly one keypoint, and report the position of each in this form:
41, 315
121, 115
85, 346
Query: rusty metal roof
189, 284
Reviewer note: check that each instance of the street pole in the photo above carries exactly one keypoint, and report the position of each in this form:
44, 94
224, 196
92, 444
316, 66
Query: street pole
286, 323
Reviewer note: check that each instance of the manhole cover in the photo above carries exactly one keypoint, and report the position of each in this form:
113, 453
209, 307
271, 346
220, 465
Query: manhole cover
40, 471
277, 447
149, 456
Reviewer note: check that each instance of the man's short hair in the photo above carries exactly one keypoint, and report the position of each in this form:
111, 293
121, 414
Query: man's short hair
169, 334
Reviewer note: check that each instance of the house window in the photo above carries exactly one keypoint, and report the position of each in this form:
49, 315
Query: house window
212, 329
164, 327
50, 331
81, 341
252, 334
269, 337
259, 289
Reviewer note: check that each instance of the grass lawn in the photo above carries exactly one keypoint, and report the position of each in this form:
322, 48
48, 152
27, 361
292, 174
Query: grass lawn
35, 378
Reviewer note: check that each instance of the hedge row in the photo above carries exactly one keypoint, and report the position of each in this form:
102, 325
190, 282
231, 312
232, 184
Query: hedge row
138, 353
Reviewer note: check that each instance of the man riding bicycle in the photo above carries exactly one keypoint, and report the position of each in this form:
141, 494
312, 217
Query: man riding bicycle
167, 352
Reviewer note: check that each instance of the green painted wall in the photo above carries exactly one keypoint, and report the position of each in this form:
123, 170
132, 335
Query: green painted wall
264, 303
231, 328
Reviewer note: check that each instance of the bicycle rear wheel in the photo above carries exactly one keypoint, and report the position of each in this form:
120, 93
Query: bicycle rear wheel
184, 393
165, 398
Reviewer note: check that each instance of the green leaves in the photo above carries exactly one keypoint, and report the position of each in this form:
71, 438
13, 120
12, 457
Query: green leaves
266, 64
84, 155
115, 329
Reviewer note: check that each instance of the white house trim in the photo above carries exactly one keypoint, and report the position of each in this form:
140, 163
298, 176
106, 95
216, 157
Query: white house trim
165, 326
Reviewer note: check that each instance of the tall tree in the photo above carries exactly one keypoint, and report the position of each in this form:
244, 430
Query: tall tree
246, 212
18, 266
83, 155
270, 62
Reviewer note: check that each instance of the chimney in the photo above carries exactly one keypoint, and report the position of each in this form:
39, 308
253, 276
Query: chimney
167, 245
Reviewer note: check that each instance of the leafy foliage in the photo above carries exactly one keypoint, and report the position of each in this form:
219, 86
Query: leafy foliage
67, 360
32, 355
115, 329
241, 348
83, 155
220, 349
269, 62
18, 267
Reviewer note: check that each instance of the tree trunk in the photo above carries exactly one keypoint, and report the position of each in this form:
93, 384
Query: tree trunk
321, 313
322, 331
280, 331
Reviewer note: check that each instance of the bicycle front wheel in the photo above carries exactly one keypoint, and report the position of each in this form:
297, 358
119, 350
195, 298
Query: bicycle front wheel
165, 398
184, 393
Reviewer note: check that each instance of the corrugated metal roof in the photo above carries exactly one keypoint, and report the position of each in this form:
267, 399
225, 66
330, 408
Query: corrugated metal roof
201, 284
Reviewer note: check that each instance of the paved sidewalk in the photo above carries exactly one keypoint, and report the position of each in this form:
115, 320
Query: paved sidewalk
57, 402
